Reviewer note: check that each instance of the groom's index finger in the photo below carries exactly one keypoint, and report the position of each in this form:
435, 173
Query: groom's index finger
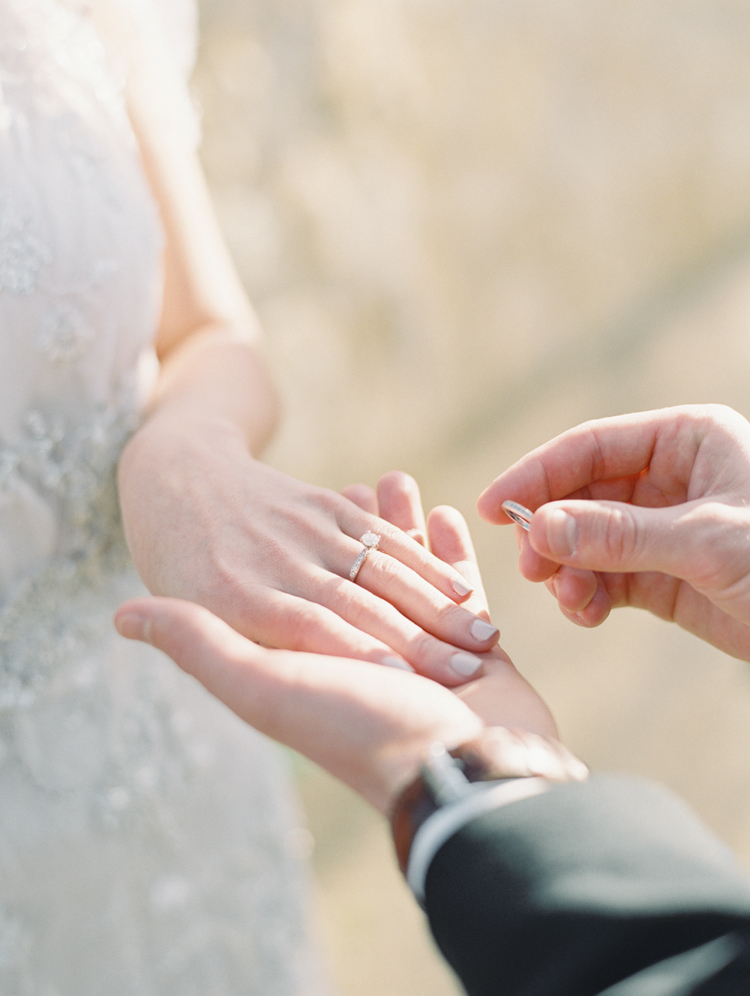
518, 513
570, 464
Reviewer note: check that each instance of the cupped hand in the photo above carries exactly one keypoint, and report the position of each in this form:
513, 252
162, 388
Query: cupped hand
366, 724
500, 695
271, 556
370, 726
650, 510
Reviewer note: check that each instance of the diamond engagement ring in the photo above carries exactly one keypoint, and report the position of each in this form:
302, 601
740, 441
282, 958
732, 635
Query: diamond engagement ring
369, 542
519, 513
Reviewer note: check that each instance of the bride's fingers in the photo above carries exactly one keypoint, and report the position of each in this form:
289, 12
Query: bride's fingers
400, 503
450, 541
362, 496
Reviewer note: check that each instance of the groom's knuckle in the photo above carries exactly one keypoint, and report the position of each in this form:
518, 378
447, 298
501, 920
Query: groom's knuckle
623, 538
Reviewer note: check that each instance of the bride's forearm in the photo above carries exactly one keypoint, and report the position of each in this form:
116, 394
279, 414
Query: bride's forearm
214, 408
217, 375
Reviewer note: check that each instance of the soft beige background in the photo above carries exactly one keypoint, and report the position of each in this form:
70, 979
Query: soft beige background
468, 225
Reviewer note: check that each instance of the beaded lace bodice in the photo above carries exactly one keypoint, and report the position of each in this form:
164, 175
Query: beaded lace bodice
144, 829
78, 308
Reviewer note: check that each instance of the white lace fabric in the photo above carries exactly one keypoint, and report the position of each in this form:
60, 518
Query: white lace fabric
143, 827
78, 306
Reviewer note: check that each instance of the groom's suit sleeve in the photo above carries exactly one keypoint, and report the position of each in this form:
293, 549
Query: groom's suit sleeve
607, 886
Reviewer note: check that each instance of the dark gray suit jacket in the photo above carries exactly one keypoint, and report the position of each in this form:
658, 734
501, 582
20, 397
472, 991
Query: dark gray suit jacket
608, 886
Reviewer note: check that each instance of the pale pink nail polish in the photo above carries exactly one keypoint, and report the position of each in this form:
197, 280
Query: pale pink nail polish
396, 662
465, 664
461, 588
483, 631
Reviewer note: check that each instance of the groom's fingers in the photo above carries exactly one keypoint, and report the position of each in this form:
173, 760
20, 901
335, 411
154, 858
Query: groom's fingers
192, 636
262, 686
238, 672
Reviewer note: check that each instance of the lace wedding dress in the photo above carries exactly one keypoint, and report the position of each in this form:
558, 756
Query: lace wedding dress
145, 833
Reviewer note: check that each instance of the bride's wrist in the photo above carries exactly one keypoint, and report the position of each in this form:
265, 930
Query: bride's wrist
217, 379
169, 464
172, 432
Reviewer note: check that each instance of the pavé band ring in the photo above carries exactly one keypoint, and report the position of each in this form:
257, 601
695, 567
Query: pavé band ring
519, 513
369, 542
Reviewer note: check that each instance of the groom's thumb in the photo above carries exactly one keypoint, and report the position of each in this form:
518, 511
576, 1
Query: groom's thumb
607, 536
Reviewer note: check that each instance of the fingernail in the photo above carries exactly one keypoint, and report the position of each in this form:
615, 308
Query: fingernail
562, 533
461, 588
390, 661
483, 631
465, 664
130, 626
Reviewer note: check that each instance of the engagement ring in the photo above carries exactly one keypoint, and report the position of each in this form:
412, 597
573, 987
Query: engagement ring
369, 542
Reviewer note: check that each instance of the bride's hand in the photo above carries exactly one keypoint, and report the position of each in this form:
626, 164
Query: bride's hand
271, 556
499, 695
368, 725
207, 522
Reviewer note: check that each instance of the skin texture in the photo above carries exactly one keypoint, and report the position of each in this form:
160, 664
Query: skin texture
650, 510
204, 518
370, 726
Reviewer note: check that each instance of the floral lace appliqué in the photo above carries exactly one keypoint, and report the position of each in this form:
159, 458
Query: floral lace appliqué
22, 252
75, 469
65, 334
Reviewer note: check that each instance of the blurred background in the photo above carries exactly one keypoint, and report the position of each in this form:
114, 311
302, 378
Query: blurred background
468, 225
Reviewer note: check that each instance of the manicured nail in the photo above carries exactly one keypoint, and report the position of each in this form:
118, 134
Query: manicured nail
461, 588
562, 533
390, 661
483, 631
465, 664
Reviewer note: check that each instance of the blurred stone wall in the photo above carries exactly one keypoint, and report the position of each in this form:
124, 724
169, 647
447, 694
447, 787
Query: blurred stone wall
466, 227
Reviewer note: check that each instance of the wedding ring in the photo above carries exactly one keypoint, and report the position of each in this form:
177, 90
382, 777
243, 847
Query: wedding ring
369, 542
519, 513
